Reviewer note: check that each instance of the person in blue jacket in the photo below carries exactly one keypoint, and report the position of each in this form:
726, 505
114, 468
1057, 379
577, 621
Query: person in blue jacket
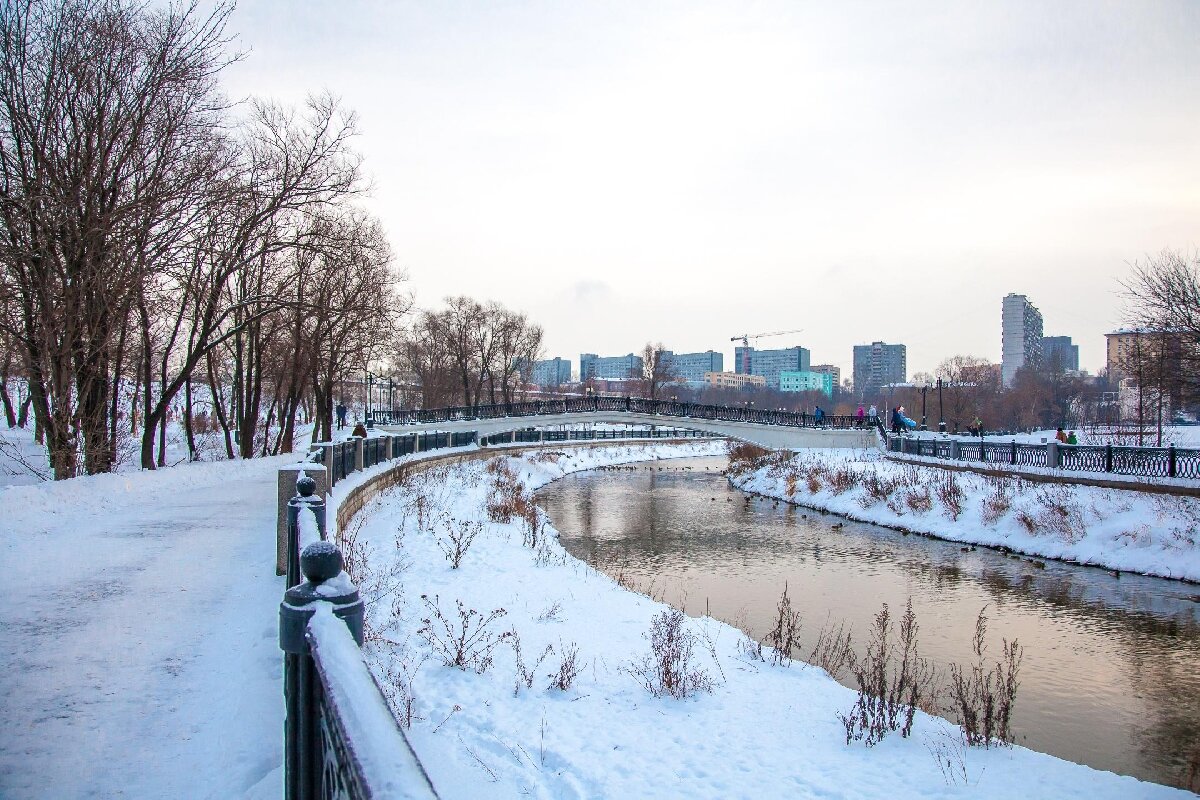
819, 415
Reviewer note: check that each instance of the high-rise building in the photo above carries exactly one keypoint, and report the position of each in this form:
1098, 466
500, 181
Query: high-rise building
769, 363
1059, 355
690, 367
1021, 337
810, 381
879, 364
834, 373
550, 372
609, 367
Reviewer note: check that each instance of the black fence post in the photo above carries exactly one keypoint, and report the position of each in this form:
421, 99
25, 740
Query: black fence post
1108, 458
1014, 451
303, 751
305, 489
1171, 465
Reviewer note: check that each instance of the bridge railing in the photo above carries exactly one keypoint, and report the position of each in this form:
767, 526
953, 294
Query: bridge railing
1143, 462
636, 405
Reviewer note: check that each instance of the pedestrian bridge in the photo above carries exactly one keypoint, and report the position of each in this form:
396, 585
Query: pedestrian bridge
773, 429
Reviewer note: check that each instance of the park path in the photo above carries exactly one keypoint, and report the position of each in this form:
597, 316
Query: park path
138, 650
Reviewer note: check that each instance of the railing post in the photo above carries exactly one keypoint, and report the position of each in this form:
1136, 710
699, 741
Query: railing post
1052, 454
289, 479
303, 751
1171, 464
954, 451
328, 451
1108, 458
358, 452
306, 497
388, 453
1014, 451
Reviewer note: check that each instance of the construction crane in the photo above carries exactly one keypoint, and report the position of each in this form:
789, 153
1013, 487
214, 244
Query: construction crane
745, 340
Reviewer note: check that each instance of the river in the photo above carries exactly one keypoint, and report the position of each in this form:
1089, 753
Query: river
1111, 675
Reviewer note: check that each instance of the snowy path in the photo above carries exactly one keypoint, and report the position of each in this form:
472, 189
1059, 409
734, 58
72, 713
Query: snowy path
139, 635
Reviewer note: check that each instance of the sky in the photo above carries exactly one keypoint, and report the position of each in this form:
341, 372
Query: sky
626, 172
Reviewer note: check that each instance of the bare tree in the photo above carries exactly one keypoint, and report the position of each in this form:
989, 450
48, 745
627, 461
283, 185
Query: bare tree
656, 368
102, 103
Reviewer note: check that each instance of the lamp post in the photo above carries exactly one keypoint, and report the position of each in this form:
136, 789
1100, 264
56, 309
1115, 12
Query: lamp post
370, 421
941, 409
924, 391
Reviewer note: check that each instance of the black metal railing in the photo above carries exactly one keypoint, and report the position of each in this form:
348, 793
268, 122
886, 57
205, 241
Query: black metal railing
1142, 462
334, 746
636, 405
532, 435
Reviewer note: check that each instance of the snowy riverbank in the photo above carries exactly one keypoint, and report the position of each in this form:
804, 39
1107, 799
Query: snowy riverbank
1117, 529
763, 731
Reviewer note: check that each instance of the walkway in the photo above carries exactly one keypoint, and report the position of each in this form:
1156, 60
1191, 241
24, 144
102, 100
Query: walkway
139, 616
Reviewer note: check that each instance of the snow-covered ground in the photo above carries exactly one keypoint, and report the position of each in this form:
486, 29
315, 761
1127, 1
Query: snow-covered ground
139, 615
763, 731
1124, 530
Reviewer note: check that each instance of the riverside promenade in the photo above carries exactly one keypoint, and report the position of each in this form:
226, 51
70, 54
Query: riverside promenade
140, 653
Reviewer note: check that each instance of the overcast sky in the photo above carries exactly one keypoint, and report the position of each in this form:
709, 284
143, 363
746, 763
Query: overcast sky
688, 172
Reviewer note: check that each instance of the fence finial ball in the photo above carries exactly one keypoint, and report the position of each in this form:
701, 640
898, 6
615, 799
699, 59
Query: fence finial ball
320, 562
305, 485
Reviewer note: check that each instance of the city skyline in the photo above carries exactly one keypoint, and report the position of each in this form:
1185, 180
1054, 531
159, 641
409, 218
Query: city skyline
693, 172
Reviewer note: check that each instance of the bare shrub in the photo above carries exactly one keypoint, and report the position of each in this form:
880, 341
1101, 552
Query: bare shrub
792, 478
568, 667
508, 497
875, 488
950, 754
525, 672
534, 524
458, 538
462, 640
1060, 513
785, 633
812, 478
1026, 521
919, 501
996, 504
668, 670
842, 480
550, 614
399, 667
893, 681
833, 651
546, 457
744, 457
950, 495
982, 697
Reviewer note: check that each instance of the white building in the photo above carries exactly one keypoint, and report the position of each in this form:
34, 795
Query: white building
1021, 337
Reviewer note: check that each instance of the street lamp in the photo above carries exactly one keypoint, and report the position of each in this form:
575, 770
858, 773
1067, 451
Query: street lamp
924, 391
941, 409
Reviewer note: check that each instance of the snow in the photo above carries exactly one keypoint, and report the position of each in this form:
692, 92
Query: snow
140, 618
140, 613
764, 731
1117, 529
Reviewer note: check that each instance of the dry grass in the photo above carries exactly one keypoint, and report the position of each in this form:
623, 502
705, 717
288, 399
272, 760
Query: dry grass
893, 681
982, 696
669, 669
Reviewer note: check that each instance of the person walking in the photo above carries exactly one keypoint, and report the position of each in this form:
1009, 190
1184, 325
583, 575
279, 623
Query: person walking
873, 414
896, 423
341, 415
859, 415
819, 416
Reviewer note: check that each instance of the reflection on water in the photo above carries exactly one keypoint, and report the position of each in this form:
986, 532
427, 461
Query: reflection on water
1111, 676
